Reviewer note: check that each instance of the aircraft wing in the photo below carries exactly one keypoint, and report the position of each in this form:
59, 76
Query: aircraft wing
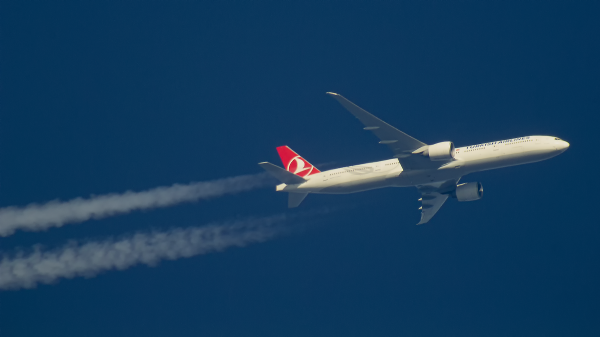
401, 144
433, 197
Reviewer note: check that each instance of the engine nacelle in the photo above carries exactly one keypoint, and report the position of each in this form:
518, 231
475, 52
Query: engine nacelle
441, 151
468, 192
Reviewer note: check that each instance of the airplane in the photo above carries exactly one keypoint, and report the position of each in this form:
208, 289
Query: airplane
434, 170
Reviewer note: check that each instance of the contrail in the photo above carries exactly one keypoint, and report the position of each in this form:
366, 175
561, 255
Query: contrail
92, 258
37, 217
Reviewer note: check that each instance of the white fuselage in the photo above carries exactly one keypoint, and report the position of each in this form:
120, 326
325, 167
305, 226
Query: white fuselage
468, 159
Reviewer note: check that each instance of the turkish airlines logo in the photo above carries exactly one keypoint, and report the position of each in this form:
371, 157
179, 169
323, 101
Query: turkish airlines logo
299, 166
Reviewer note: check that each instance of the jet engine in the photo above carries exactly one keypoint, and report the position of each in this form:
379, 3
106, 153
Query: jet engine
441, 151
468, 192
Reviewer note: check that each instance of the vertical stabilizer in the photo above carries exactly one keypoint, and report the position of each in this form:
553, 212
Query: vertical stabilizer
295, 199
294, 163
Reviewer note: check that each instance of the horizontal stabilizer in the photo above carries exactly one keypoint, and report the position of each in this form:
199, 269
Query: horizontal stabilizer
282, 175
295, 199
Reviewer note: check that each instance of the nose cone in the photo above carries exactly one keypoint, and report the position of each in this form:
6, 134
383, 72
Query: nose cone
562, 146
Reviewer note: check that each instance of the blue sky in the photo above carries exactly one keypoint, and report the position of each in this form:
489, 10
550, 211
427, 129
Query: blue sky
103, 97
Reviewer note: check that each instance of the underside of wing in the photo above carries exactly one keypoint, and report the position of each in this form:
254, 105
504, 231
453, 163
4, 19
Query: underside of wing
402, 145
431, 203
433, 197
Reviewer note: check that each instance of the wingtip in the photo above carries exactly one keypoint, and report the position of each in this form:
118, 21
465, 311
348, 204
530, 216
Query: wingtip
332, 93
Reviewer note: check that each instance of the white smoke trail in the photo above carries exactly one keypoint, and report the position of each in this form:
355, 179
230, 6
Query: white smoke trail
92, 258
36, 217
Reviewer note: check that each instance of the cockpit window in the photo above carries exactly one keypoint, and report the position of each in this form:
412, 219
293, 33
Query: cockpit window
557, 139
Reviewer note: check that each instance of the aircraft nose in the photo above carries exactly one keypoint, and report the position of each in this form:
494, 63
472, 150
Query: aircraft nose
562, 145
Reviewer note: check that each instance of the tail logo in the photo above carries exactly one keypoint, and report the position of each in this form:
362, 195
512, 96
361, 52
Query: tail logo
297, 166
295, 163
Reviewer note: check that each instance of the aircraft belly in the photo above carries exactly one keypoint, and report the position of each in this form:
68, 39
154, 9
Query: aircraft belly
421, 177
345, 187
509, 159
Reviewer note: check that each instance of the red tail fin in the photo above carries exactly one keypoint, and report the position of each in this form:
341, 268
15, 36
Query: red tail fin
294, 163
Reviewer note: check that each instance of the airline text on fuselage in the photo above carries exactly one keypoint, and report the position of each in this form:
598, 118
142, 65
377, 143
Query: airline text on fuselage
498, 142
